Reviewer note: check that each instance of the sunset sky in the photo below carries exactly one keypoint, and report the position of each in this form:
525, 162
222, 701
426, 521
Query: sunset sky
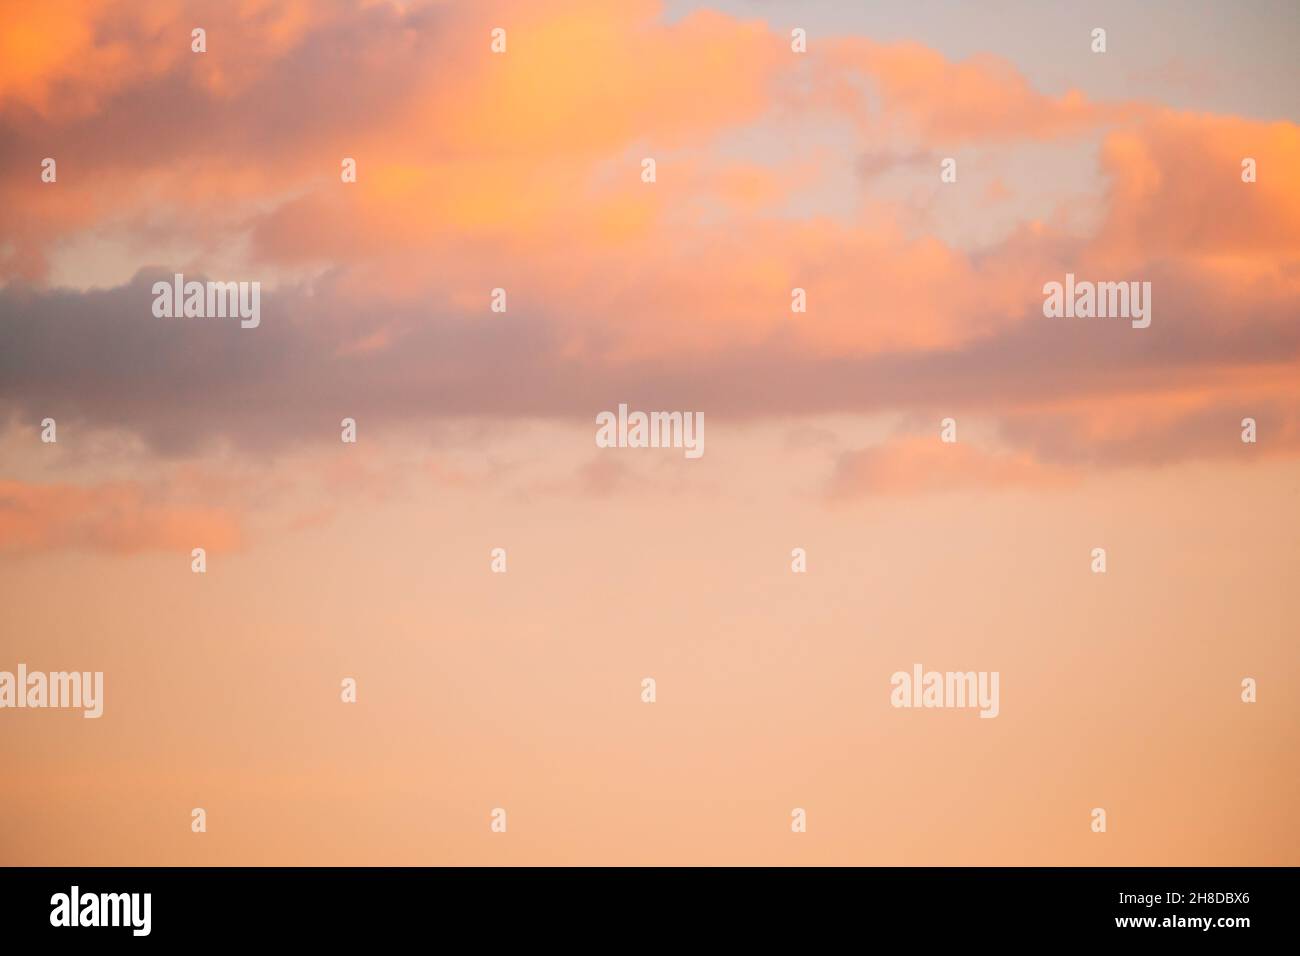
775, 170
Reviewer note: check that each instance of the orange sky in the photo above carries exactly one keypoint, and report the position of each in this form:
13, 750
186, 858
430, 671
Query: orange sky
522, 171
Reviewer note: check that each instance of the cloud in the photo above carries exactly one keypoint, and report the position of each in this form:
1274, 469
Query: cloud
924, 465
102, 358
603, 476
940, 102
523, 174
118, 517
1176, 190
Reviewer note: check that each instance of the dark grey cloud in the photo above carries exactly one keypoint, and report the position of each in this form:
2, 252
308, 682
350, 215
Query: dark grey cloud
103, 359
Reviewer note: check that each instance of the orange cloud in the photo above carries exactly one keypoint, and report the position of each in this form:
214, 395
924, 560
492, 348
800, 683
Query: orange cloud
63, 59
584, 78
921, 465
1177, 189
941, 102
119, 517
523, 174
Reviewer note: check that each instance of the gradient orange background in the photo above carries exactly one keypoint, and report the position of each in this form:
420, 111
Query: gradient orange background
522, 690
